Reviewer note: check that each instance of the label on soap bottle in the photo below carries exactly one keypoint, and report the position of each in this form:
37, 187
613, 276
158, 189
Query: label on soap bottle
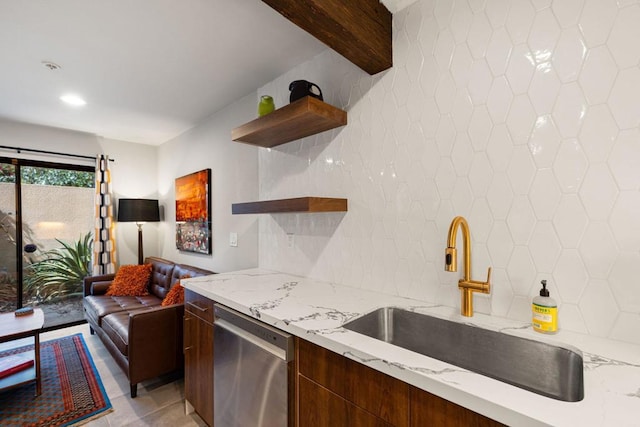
545, 319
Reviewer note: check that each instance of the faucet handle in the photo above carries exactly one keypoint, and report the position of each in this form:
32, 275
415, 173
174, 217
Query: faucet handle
489, 276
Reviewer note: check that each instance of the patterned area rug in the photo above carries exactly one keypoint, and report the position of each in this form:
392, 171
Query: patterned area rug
72, 392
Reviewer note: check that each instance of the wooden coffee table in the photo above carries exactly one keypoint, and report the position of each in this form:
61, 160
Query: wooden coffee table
14, 327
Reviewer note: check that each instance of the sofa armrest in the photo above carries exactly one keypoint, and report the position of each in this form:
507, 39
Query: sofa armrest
97, 285
155, 342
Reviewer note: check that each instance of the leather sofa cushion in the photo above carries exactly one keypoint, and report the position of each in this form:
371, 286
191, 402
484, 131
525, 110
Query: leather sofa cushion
161, 272
116, 326
99, 306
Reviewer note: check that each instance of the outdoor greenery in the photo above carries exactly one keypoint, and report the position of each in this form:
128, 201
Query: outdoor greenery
47, 176
60, 273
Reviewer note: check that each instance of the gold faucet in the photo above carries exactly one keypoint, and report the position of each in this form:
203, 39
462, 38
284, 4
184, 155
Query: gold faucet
466, 285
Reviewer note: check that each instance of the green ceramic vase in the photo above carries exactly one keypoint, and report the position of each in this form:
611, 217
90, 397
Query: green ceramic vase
266, 105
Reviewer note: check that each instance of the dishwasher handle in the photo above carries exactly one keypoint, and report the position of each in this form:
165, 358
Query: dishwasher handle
273, 340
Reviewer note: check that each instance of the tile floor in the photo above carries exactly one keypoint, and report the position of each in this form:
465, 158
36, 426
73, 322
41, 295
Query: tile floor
160, 402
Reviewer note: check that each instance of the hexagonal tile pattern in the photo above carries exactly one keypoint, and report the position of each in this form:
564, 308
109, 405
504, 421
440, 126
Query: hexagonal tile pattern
500, 244
522, 115
499, 99
521, 220
625, 158
570, 276
598, 74
521, 270
545, 194
480, 174
570, 166
480, 128
519, 20
522, 170
569, 110
544, 142
598, 250
625, 30
544, 89
626, 266
596, 21
567, 12
500, 148
598, 133
544, 246
570, 221
598, 307
624, 98
521, 119
499, 51
479, 35
544, 31
520, 68
480, 81
569, 55
598, 192
624, 220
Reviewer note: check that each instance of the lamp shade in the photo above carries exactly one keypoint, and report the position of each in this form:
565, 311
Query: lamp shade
138, 210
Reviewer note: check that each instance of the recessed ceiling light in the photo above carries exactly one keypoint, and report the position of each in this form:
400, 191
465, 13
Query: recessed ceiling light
73, 100
51, 65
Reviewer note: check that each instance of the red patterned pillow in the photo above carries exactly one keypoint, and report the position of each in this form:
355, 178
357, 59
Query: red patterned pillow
175, 294
131, 280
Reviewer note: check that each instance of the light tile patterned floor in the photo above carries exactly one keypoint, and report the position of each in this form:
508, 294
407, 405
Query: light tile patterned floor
160, 402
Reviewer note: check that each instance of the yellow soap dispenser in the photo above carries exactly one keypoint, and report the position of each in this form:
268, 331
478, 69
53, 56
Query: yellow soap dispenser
545, 312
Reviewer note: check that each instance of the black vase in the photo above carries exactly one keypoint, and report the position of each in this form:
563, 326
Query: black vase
301, 88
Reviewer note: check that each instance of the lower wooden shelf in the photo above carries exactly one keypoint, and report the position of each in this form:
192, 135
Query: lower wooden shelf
299, 204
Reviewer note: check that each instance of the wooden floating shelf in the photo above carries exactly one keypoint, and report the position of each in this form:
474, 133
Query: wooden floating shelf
359, 30
300, 204
302, 118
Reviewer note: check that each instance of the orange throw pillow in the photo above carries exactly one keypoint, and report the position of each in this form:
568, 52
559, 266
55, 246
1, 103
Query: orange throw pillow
175, 294
131, 280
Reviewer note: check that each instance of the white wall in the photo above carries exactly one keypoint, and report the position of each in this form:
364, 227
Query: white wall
234, 178
522, 116
134, 172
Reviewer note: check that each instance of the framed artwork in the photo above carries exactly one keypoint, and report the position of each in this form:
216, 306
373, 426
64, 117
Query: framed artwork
193, 212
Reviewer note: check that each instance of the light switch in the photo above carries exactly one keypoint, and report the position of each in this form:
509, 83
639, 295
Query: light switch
233, 239
290, 240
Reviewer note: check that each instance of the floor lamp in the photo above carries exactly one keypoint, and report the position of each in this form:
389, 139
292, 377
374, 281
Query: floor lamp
138, 211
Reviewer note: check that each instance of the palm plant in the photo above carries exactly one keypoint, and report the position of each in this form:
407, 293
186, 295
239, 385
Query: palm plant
61, 273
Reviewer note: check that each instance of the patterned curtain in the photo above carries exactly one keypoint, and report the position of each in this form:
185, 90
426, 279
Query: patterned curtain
104, 245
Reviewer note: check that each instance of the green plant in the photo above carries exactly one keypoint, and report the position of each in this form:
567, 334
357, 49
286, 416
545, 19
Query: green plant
60, 274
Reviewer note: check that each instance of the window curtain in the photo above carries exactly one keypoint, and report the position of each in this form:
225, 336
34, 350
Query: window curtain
104, 245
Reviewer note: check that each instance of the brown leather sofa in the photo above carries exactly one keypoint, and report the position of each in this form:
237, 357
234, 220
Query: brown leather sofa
142, 336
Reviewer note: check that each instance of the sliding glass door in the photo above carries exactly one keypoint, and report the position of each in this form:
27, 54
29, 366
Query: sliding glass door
46, 246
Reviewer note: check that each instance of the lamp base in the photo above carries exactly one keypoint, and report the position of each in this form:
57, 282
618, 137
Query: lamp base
140, 250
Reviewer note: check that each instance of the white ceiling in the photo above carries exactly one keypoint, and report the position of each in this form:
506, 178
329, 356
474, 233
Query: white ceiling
148, 69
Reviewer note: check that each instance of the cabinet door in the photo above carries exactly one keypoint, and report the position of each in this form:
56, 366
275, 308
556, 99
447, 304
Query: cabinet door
375, 392
319, 407
198, 365
430, 410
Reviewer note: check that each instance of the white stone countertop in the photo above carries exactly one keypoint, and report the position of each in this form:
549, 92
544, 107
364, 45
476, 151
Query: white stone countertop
315, 311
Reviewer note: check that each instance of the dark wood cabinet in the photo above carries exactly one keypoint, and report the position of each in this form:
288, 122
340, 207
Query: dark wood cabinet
198, 354
430, 410
336, 391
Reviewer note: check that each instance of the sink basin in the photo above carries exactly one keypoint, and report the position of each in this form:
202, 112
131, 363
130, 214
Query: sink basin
548, 370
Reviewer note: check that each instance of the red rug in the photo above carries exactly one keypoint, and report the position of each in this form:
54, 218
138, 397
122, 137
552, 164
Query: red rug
71, 388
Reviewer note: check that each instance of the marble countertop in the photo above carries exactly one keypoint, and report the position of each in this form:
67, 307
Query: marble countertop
315, 311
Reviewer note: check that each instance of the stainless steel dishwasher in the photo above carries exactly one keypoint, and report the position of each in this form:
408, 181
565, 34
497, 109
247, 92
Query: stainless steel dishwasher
252, 368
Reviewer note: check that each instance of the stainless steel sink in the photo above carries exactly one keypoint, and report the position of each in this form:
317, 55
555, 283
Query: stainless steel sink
549, 370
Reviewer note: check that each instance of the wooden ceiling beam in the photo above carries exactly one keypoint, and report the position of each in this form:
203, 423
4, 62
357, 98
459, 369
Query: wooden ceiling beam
359, 30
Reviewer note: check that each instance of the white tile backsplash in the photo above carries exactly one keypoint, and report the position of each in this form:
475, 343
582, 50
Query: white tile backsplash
522, 116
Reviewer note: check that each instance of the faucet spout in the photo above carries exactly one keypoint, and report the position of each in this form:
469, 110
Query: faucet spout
466, 284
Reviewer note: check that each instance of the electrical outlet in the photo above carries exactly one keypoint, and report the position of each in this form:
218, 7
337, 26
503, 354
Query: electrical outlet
233, 239
290, 240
